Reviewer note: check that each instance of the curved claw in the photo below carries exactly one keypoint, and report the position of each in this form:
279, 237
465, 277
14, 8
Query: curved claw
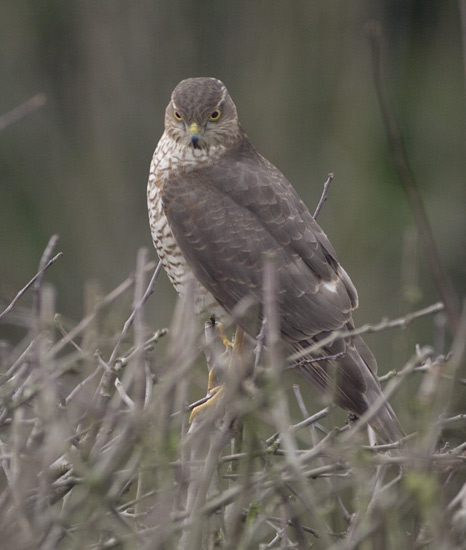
211, 398
226, 341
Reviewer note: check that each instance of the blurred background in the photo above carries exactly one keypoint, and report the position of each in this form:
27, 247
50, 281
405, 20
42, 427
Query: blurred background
300, 73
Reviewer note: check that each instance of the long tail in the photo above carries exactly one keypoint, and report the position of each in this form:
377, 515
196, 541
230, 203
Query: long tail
385, 422
356, 387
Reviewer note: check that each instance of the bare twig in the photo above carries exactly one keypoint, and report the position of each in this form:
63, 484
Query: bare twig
408, 180
400, 322
123, 467
323, 197
42, 269
303, 424
279, 411
389, 391
86, 321
22, 110
130, 320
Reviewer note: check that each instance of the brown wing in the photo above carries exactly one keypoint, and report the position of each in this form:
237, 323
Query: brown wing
227, 217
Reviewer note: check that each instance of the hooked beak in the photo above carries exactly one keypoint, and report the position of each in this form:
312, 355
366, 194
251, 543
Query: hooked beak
195, 133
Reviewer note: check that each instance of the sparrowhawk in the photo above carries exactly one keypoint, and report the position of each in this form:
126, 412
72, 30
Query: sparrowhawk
217, 209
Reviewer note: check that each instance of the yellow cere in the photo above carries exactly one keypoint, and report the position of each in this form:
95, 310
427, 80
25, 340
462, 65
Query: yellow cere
194, 128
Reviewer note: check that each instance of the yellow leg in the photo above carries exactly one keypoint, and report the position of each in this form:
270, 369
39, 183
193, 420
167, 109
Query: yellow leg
211, 382
214, 394
226, 342
213, 391
237, 347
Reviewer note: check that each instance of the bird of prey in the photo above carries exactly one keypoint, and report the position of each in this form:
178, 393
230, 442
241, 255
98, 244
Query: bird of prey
217, 209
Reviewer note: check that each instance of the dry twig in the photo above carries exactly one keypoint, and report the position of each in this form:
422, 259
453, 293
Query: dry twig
408, 180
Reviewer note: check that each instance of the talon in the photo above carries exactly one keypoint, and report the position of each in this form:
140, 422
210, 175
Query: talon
212, 396
226, 341
215, 391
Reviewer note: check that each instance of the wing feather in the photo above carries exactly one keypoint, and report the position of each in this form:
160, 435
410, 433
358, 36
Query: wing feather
227, 217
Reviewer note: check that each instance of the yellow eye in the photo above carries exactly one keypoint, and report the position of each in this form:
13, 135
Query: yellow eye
177, 115
215, 115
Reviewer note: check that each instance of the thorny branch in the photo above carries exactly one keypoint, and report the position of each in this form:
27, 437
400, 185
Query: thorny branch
122, 470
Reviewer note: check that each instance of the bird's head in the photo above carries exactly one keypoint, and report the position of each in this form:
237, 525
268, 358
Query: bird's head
202, 114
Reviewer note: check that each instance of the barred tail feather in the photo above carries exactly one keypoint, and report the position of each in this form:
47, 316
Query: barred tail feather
356, 388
